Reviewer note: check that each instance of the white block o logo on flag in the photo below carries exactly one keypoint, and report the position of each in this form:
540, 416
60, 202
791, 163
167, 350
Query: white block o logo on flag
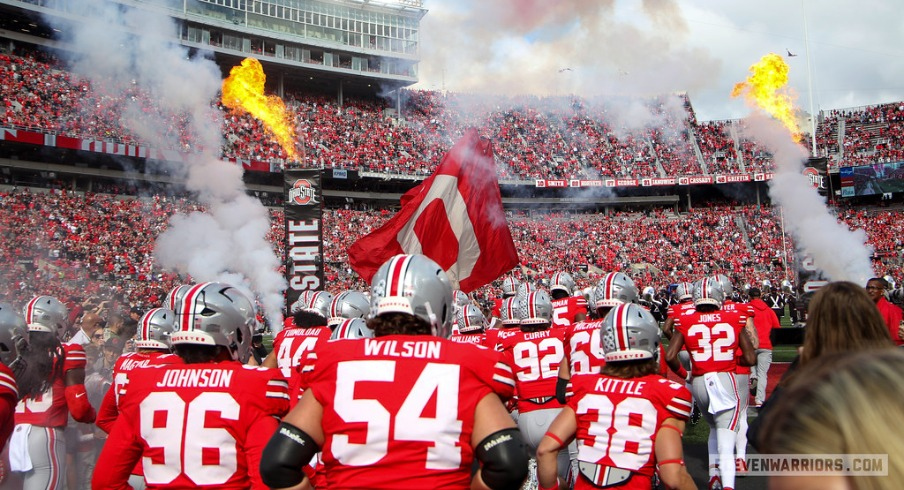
454, 217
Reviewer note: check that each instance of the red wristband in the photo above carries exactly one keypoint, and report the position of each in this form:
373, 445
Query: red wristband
554, 487
681, 372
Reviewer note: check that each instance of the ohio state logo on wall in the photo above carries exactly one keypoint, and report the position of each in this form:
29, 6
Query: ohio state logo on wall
302, 193
816, 180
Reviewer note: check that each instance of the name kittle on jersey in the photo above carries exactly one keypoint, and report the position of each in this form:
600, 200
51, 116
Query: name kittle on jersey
424, 349
626, 387
196, 378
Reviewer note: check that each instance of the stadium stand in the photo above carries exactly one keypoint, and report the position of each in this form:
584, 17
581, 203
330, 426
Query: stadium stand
535, 138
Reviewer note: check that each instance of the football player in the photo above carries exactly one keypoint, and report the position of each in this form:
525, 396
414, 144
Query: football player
742, 373
471, 326
583, 350
627, 420
202, 423
12, 331
51, 380
292, 345
509, 322
509, 290
712, 336
152, 342
406, 409
534, 354
566, 309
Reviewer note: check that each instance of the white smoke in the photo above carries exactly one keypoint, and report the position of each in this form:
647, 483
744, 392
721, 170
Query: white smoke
841, 253
600, 47
228, 242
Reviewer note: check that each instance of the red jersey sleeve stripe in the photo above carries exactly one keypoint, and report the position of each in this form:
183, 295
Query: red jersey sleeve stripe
9, 384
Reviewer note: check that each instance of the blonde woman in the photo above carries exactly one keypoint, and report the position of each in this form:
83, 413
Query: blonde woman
842, 404
841, 318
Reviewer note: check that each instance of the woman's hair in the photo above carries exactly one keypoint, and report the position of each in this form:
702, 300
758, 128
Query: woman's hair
631, 369
39, 363
844, 404
842, 318
398, 324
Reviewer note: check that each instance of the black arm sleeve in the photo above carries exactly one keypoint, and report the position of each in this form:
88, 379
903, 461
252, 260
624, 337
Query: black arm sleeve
288, 451
504, 459
561, 389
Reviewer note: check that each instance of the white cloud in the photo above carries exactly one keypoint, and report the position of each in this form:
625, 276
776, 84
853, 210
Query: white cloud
663, 46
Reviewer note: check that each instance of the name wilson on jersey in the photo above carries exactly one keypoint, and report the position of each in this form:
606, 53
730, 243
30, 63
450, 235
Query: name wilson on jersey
196, 378
420, 349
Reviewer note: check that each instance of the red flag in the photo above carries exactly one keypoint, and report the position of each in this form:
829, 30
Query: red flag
455, 217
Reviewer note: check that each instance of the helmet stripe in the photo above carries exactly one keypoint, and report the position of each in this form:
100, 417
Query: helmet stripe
334, 305
531, 313
610, 280
623, 314
188, 307
146, 325
397, 275
30, 310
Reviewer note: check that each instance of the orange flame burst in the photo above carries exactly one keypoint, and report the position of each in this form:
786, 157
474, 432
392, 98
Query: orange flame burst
244, 90
763, 89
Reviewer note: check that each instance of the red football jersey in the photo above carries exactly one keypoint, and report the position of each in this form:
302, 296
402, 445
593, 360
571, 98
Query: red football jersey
747, 309
617, 422
534, 358
109, 407
49, 409
292, 346
398, 411
9, 394
583, 349
677, 309
493, 337
565, 310
194, 426
711, 338
469, 338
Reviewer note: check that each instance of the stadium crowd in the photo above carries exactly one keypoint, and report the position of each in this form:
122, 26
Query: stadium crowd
95, 252
76, 246
548, 138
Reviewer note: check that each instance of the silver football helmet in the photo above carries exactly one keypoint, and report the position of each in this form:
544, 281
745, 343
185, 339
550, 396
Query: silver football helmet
175, 294
155, 328
535, 308
630, 333
684, 291
562, 281
47, 314
352, 328
460, 298
509, 312
315, 302
12, 329
725, 282
509, 287
211, 313
614, 289
349, 304
470, 319
416, 285
649, 293
525, 288
708, 291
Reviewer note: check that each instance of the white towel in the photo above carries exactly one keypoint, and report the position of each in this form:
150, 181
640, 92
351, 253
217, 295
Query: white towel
721, 397
19, 459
